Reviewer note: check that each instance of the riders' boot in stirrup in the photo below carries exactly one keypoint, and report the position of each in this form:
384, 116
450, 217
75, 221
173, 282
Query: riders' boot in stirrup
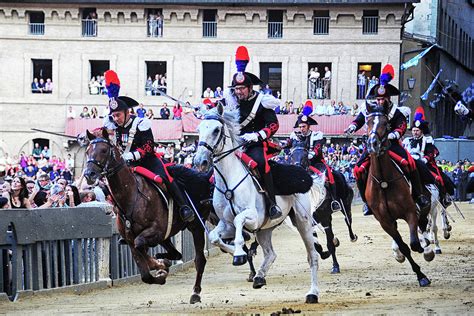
335, 205
421, 200
185, 211
365, 208
274, 210
444, 199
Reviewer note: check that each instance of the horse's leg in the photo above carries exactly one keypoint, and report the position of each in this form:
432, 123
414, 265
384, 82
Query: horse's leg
317, 245
434, 229
326, 221
391, 229
412, 221
199, 262
249, 217
215, 239
250, 254
264, 238
303, 224
146, 263
397, 253
347, 210
171, 252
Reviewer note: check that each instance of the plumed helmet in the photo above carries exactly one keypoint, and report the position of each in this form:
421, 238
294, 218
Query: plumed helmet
384, 88
419, 120
241, 77
116, 102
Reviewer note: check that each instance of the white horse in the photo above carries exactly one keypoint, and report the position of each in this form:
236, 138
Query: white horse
240, 205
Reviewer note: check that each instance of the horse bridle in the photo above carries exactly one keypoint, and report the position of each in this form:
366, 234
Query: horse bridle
103, 166
382, 139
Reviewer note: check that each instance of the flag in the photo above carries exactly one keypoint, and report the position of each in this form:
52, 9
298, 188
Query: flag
468, 94
424, 97
414, 61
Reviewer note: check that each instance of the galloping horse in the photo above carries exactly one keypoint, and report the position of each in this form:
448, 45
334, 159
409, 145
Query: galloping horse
323, 213
144, 220
388, 192
239, 204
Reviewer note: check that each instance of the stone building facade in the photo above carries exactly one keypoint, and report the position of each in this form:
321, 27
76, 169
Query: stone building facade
284, 39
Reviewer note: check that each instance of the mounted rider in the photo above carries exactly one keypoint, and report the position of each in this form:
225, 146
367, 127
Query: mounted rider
398, 125
422, 148
313, 140
135, 137
258, 121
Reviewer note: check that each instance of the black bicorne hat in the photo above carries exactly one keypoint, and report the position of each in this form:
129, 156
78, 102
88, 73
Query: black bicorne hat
121, 103
305, 119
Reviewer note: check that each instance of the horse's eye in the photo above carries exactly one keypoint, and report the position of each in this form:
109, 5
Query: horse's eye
215, 131
103, 151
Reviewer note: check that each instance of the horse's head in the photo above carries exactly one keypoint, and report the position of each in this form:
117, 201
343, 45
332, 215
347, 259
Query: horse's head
214, 136
377, 131
99, 154
299, 157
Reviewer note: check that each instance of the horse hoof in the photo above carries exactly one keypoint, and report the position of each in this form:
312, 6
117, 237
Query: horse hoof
400, 258
311, 299
258, 282
416, 247
446, 235
438, 251
251, 276
195, 298
239, 260
325, 254
354, 239
424, 282
335, 270
336, 242
429, 255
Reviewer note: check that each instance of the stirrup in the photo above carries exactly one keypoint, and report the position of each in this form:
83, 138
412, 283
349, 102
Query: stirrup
366, 210
335, 206
274, 212
186, 213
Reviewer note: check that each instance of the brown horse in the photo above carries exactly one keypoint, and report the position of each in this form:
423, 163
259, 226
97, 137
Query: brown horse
143, 218
388, 193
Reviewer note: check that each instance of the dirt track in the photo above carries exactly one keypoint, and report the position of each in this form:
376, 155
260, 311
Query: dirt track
371, 281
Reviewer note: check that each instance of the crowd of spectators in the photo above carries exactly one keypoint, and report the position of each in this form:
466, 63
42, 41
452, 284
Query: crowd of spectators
156, 85
323, 107
41, 86
365, 83
319, 87
97, 85
155, 24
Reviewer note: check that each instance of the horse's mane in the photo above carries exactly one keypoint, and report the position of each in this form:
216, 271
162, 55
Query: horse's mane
230, 117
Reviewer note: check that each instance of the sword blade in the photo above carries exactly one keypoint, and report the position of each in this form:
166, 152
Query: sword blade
54, 133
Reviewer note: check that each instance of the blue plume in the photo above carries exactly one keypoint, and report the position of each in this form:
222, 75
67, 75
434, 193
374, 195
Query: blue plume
418, 117
113, 90
307, 111
385, 78
241, 65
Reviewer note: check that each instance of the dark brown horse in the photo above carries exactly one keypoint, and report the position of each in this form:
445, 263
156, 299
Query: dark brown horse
388, 193
144, 220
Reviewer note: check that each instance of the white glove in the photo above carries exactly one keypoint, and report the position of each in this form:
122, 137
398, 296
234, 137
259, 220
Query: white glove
351, 129
424, 160
392, 135
250, 137
128, 156
461, 109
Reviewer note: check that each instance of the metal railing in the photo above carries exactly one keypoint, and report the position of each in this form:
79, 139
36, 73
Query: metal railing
42, 249
36, 28
319, 88
275, 29
209, 29
370, 25
155, 28
89, 28
321, 26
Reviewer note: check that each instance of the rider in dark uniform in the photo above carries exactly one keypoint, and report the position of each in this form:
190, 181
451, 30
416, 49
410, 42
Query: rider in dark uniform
422, 148
398, 125
135, 136
258, 121
313, 140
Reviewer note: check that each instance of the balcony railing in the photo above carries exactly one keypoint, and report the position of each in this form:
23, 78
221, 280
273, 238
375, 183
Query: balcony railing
155, 28
89, 28
319, 88
36, 28
321, 26
370, 25
275, 29
209, 29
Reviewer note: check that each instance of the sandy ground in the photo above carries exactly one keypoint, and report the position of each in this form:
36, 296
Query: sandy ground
370, 282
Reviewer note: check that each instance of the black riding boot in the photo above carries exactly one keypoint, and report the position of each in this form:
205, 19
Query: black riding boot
417, 190
361, 185
443, 196
335, 205
185, 211
274, 210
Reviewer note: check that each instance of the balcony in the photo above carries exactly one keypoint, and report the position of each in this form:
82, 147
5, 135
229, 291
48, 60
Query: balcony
155, 28
209, 29
89, 28
275, 29
36, 29
370, 25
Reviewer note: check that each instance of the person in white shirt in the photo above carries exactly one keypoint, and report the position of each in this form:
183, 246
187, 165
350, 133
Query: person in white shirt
208, 93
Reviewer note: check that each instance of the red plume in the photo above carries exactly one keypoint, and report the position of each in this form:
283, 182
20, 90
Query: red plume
242, 53
389, 69
111, 77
